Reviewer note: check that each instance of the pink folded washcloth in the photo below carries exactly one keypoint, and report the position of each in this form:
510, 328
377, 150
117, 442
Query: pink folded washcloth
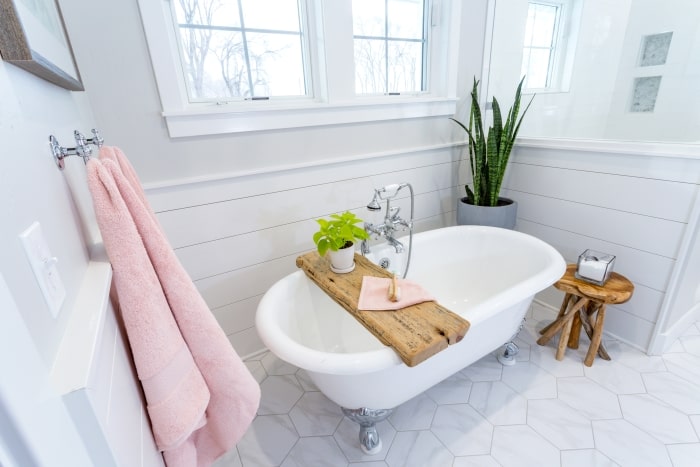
374, 294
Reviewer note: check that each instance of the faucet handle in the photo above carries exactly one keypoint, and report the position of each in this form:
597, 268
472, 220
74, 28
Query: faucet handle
372, 229
394, 212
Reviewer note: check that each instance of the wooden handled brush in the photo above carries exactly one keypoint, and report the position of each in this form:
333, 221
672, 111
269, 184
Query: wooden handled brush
394, 290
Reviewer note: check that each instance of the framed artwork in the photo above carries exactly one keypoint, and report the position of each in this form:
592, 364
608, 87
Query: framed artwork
33, 37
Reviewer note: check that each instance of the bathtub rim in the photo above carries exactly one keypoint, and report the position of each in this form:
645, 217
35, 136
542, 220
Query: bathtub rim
288, 349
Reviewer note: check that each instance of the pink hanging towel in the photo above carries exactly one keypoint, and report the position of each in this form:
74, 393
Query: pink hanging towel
201, 397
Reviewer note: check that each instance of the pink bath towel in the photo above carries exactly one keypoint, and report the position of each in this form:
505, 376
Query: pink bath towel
374, 294
201, 397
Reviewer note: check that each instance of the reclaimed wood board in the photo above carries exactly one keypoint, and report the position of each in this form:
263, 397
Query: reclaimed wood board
416, 332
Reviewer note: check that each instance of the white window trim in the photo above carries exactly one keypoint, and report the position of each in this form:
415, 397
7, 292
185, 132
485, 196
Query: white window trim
634, 148
336, 104
272, 117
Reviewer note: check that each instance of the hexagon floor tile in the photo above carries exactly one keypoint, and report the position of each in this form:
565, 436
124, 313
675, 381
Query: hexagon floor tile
634, 410
415, 414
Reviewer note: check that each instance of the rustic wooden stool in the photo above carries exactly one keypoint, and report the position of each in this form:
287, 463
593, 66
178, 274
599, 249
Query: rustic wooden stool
584, 305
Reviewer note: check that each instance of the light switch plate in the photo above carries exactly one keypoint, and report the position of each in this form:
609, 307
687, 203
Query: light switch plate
44, 266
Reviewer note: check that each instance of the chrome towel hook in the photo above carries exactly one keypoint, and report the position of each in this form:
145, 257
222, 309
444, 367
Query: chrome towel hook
82, 147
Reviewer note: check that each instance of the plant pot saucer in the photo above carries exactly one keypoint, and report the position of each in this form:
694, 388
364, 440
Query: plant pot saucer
343, 271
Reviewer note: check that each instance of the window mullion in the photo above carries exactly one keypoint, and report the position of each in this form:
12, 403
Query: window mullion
339, 50
245, 49
553, 47
386, 46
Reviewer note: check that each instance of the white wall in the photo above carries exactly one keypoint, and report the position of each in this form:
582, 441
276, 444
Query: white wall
634, 206
612, 196
236, 237
597, 104
675, 116
33, 189
110, 45
681, 307
250, 210
580, 112
35, 426
239, 208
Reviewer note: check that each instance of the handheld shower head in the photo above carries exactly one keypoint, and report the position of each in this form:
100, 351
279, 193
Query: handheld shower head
385, 193
374, 204
390, 191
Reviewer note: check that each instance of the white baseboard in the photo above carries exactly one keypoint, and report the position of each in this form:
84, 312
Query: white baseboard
664, 340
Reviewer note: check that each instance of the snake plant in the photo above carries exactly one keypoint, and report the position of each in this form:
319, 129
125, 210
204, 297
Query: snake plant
489, 153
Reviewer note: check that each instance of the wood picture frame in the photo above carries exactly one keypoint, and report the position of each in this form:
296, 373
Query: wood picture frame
33, 37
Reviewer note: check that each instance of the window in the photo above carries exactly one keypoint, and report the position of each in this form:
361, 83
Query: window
227, 66
390, 46
540, 44
549, 45
236, 49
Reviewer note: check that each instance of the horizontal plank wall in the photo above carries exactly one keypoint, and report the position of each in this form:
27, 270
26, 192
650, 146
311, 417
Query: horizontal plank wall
636, 207
238, 235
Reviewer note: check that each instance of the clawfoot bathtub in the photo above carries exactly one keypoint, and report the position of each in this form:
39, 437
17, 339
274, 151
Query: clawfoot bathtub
487, 275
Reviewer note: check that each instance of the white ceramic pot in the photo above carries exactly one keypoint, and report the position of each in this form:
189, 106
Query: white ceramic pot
343, 260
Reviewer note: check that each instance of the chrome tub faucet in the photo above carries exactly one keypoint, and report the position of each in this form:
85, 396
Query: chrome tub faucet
392, 220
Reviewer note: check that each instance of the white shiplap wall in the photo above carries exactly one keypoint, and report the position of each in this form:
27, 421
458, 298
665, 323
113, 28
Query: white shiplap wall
95, 375
238, 235
633, 206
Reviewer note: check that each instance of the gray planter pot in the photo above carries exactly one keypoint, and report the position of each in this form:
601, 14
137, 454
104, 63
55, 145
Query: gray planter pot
503, 215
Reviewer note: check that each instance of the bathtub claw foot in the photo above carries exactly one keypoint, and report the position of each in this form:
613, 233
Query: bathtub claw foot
369, 440
511, 349
509, 353
368, 419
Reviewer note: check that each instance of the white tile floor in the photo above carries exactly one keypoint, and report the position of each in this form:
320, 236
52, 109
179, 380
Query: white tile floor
635, 411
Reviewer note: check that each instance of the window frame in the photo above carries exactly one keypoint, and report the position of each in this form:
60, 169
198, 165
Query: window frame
563, 48
244, 30
333, 98
553, 44
387, 39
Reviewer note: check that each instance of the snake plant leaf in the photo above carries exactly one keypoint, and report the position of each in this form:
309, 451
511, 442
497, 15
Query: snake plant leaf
495, 154
489, 152
492, 166
497, 121
470, 195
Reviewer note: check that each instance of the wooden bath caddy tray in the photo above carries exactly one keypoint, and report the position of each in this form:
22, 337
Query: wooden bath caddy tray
416, 332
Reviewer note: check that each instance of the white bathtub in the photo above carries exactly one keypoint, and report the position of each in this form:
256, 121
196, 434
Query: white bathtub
487, 275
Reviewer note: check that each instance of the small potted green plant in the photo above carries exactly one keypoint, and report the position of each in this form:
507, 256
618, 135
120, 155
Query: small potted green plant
488, 158
337, 236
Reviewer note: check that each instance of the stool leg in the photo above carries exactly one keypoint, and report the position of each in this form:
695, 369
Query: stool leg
597, 336
562, 312
575, 331
564, 338
560, 322
588, 321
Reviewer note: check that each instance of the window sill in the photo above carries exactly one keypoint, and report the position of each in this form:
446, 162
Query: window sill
263, 116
